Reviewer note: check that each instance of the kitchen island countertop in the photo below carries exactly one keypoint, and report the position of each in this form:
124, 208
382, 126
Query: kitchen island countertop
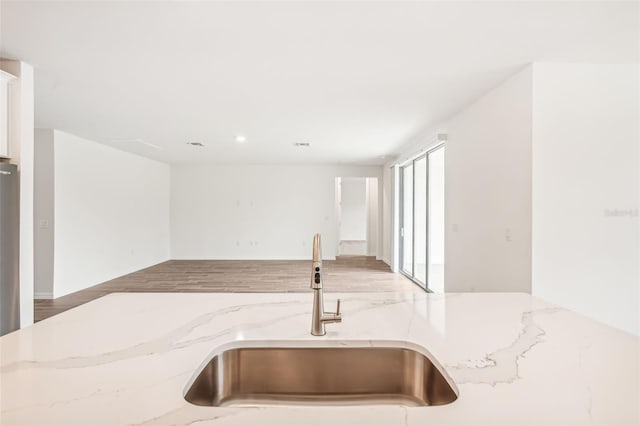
126, 358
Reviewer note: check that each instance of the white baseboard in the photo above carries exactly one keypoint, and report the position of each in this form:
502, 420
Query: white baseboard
45, 295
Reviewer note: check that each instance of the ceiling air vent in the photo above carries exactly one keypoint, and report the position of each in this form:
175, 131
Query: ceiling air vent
195, 143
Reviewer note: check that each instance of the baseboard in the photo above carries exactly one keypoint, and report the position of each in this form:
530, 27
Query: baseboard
43, 295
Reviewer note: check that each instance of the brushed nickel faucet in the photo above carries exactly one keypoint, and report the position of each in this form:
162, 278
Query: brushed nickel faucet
319, 317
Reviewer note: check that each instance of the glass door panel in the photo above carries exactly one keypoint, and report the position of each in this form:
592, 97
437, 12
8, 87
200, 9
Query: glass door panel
420, 221
407, 220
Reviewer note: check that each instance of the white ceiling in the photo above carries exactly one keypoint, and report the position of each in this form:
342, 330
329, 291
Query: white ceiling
355, 79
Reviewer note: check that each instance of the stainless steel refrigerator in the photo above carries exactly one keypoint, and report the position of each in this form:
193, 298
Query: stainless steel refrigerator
9, 249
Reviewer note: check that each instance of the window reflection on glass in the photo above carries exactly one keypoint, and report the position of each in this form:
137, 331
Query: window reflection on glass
407, 219
420, 220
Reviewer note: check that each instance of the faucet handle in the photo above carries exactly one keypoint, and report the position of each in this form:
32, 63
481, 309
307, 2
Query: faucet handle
338, 308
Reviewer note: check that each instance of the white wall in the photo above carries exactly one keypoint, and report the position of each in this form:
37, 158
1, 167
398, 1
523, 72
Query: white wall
585, 168
21, 125
542, 189
111, 213
488, 191
435, 205
255, 211
353, 209
43, 213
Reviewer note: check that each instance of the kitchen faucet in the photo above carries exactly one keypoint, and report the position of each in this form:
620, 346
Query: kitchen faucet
319, 317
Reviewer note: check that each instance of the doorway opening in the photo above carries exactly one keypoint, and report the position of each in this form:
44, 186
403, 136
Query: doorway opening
357, 212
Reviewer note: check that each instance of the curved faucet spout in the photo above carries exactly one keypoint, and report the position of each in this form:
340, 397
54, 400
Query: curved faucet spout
316, 267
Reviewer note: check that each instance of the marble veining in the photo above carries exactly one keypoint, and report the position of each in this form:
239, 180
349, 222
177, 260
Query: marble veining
501, 366
127, 358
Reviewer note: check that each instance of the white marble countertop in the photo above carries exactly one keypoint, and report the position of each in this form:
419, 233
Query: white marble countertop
126, 359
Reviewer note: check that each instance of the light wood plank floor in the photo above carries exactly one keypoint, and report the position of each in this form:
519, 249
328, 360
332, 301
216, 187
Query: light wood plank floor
345, 274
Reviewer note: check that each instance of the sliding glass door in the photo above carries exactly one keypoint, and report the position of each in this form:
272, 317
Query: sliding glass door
422, 220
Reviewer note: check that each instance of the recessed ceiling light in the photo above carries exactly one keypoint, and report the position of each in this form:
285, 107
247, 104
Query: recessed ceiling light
195, 143
241, 139
302, 144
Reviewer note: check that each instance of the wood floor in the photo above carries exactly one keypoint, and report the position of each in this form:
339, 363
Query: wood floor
345, 274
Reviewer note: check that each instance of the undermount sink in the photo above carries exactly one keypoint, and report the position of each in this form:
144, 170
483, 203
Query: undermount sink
349, 374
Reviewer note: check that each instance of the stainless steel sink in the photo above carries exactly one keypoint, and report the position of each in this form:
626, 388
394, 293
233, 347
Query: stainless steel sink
328, 375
